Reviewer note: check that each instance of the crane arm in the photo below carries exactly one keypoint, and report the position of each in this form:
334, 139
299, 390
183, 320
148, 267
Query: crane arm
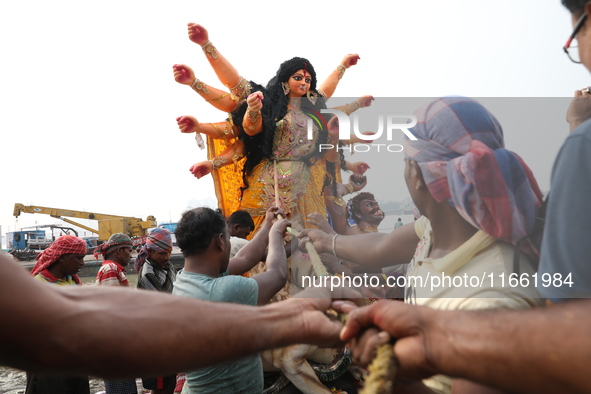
108, 224
58, 213
92, 230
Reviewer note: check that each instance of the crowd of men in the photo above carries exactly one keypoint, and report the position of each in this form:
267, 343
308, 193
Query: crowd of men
457, 339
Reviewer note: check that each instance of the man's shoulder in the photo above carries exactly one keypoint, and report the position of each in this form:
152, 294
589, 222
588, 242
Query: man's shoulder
148, 268
221, 283
580, 134
500, 252
583, 128
235, 280
422, 226
235, 288
230, 288
572, 162
109, 263
238, 240
108, 266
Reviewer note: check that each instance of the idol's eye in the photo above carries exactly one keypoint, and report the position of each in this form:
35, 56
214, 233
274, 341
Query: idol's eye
297, 78
308, 80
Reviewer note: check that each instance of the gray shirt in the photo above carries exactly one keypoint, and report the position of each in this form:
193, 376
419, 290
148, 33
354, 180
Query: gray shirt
244, 375
565, 258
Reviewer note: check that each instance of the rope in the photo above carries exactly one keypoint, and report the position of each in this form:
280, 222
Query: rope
382, 369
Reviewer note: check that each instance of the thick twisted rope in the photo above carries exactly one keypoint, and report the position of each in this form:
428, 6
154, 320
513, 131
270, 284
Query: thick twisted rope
382, 369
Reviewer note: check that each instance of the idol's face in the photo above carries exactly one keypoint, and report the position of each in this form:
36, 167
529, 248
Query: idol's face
370, 212
299, 83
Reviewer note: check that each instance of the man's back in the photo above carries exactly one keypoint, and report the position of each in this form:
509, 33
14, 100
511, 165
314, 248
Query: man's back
243, 375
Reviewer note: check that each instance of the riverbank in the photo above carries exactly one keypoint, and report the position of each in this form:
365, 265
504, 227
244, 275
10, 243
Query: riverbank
14, 381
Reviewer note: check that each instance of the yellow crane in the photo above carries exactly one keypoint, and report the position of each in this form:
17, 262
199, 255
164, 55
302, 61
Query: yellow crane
107, 224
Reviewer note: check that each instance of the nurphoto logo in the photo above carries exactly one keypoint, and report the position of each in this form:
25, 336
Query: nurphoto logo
387, 122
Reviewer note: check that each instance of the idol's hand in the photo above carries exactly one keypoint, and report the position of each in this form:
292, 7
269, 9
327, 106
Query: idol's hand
358, 167
358, 181
255, 101
187, 124
365, 101
198, 34
201, 169
355, 139
333, 128
183, 74
350, 60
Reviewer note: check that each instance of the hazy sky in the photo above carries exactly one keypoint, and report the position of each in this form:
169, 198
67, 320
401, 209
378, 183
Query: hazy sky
89, 101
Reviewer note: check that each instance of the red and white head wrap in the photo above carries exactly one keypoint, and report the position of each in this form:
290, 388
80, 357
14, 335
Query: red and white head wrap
65, 244
115, 241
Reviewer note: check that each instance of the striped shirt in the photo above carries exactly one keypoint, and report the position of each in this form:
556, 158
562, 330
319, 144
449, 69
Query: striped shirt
111, 274
152, 276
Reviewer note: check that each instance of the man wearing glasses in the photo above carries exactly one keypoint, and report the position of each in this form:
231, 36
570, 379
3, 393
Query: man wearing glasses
568, 222
545, 350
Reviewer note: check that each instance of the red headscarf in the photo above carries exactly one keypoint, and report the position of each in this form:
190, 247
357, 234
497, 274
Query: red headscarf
63, 245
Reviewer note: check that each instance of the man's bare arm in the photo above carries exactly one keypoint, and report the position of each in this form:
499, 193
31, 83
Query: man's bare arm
275, 275
53, 330
371, 250
542, 350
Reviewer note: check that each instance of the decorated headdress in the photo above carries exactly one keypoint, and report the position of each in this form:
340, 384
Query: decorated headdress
275, 104
289, 67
